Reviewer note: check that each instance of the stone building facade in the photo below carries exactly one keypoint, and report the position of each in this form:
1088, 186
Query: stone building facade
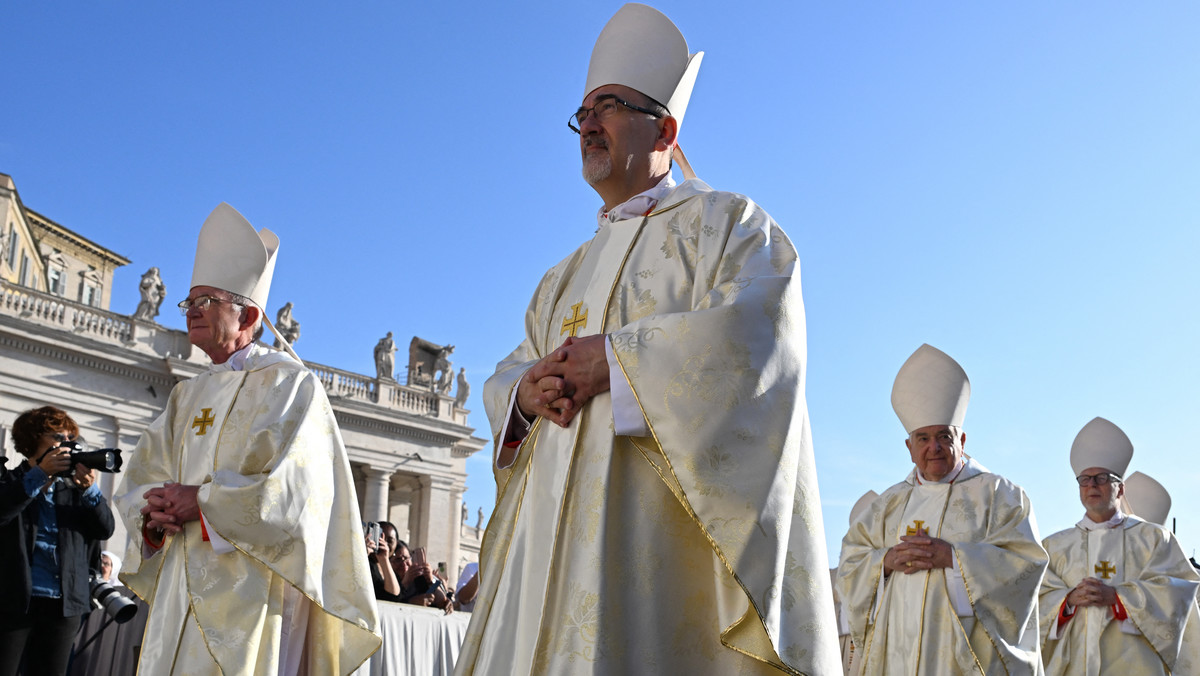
60, 345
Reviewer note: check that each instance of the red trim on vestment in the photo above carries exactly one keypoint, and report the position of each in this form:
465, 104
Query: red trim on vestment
1118, 609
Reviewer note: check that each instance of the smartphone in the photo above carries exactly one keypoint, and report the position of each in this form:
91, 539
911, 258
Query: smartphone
373, 531
418, 556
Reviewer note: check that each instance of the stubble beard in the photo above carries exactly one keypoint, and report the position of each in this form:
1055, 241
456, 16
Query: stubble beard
597, 165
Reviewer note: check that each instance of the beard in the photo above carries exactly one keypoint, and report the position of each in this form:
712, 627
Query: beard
597, 166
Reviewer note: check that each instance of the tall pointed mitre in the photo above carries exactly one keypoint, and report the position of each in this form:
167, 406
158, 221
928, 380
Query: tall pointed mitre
860, 507
931, 389
231, 255
641, 48
1146, 498
1101, 444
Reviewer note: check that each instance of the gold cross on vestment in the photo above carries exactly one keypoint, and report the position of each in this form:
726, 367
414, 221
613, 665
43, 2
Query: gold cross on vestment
203, 421
917, 525
576, 321
1106, 569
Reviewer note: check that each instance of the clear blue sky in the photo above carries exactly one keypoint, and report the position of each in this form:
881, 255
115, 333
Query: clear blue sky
1014, 183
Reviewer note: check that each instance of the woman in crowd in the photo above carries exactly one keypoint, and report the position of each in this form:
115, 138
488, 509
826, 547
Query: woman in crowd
48, 516
419, 584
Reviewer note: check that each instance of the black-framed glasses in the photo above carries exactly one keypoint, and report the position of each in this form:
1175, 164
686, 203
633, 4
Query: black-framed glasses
1097, 479
604, 109
201, 303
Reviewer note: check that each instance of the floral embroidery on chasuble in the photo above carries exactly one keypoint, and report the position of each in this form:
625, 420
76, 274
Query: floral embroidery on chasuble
1153, 580
592, 530
273, 476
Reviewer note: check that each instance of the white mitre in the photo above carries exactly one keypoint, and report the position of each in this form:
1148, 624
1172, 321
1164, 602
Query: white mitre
642, 49
1146, 498
931, 389
232, 256
1101, 444
861, 506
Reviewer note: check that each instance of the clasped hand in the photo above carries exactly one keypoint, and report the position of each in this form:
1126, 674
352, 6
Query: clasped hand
918, 552
558, 386
171, 506
1092, 592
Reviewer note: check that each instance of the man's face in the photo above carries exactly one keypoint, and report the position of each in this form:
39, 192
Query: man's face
105, 567
215, 328
617, 149
1101, 501
936, 449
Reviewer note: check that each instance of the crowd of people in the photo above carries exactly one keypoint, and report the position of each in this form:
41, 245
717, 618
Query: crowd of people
398, 578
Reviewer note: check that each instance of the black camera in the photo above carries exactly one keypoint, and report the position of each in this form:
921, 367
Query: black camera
113, 602
104, 459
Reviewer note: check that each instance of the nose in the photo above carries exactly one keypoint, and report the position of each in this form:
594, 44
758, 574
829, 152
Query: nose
590, 124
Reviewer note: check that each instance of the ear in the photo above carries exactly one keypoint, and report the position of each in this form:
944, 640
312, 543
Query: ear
668, 134
963, 441
908, 444
250, 316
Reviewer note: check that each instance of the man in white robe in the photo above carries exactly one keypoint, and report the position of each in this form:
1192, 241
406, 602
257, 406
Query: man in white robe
1119, 597
657, 507
249, 547
941, 575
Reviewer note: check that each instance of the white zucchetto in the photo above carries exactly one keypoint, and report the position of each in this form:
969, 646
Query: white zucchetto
861, 506
1146, 498
232, 256
1101, 444
642, 49
930, 389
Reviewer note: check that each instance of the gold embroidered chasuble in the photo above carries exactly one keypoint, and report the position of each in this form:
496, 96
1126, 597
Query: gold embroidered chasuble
1157, 586
275, 482
698, 548
911, 627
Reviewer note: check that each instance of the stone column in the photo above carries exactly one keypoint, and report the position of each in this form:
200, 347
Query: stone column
376, 505
452, 554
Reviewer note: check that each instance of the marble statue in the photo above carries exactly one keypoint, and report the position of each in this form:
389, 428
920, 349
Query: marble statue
464, 512
153, 291
445, 368
479, 520
385, 357
287, 326
464, 389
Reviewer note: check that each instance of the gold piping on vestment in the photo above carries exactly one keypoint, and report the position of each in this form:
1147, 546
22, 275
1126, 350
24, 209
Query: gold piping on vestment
252, 557
679, 496
966, 637
485, 544
221, 433
558, 530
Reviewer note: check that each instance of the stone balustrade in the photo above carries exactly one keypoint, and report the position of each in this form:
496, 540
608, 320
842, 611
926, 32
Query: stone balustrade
53, 311
111, 328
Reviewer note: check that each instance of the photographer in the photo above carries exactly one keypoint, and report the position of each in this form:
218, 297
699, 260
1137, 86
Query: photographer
48, 515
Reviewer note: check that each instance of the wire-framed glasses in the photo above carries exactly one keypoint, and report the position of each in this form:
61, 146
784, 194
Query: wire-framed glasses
201, 303
604, 109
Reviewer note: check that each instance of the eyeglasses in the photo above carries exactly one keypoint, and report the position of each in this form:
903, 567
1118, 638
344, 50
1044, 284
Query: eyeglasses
1097, 479
604, 109
201, 303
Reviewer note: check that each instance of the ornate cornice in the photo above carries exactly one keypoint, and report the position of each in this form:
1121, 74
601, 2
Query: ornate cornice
87, 361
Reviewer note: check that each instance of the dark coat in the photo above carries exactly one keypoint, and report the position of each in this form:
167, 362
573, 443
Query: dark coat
78, 525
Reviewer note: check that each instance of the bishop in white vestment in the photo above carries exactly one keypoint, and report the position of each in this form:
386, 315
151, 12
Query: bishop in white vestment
670, 525
248, 540
1119, 597
941, 575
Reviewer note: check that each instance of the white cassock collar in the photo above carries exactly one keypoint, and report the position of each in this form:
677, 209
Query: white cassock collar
950, 476
236, 361
1117, 519
638, 205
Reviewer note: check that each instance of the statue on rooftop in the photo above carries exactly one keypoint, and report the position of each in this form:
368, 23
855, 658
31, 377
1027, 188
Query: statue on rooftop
153, 291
